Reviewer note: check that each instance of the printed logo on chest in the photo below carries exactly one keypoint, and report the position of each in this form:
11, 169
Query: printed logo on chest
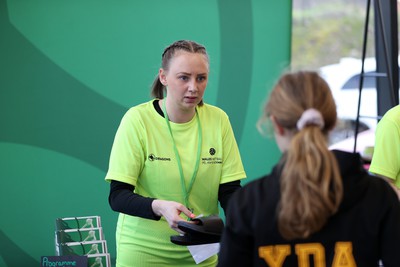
211, 160
152, 157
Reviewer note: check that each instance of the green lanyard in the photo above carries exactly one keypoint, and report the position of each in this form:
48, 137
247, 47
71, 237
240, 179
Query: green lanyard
185, 191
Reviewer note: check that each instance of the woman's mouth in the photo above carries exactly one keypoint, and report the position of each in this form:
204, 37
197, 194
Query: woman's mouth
191, 99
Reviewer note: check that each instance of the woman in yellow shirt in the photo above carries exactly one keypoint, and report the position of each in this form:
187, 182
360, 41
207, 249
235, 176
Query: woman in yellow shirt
172, 157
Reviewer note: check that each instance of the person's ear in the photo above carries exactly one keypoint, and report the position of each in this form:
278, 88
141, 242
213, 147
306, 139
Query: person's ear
162, 76
277, 127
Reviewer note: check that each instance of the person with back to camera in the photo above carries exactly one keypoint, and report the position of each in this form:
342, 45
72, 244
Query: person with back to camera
172, 157
317, 207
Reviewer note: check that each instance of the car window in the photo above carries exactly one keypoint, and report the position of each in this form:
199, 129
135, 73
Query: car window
369, 82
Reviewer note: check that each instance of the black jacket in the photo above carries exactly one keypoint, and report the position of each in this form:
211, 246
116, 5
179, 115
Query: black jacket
364, 230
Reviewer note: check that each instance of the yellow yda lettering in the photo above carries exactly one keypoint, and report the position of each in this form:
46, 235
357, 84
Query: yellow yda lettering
304, 251
274, 256
344, 255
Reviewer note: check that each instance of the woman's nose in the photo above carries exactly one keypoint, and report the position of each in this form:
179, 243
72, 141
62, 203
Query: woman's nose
193, 87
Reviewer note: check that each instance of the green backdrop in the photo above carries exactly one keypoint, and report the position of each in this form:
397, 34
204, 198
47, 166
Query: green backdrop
70, 69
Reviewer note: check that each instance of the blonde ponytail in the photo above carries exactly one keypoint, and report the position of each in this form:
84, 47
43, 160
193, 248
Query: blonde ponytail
311, 186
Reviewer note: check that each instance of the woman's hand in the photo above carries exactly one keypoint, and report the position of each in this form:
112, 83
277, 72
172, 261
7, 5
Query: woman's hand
171, 211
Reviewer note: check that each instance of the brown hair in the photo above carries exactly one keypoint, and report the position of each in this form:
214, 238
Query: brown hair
158, 89
311, 186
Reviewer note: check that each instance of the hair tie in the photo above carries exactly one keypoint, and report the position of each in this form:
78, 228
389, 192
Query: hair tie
310, 117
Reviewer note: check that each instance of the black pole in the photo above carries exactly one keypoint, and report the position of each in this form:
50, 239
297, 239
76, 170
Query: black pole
361, 80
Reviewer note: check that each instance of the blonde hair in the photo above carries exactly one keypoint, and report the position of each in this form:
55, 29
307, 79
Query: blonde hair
311, 186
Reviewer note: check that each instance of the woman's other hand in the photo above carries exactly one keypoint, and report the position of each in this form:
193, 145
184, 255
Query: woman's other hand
171, 211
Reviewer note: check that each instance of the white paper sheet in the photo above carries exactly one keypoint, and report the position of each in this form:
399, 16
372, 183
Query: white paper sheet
202, 252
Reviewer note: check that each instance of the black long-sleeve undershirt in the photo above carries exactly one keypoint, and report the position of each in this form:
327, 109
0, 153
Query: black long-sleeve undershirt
123, 199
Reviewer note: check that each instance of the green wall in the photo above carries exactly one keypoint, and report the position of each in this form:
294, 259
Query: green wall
70, 69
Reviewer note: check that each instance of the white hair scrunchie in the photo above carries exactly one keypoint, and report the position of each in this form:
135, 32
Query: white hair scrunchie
310, 117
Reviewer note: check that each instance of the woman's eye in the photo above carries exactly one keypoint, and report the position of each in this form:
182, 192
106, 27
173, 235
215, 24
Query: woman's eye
201, 78
183, 78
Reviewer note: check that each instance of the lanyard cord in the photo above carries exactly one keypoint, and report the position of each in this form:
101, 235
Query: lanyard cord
185, 191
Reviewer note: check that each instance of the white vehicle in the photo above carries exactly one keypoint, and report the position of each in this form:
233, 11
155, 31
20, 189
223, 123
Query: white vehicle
343, 79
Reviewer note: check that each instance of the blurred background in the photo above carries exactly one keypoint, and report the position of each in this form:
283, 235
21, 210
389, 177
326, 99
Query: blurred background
331, 37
